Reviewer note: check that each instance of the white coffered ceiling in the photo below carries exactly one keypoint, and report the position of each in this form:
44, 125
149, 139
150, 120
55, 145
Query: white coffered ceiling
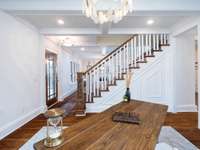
43, 14
80, 21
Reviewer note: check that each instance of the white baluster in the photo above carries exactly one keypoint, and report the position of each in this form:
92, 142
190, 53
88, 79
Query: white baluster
120, 63
127, 56
139, 47
161, 39
150, 44
111, 70
154, 42
108, 71
157, 41
90, 86
87, 93
135, 51
165, 39
97, 79
116, 65
132, 52
113, 65
122, 56
94, 82
142, 47
104, 76
146, 44
102, 72
100, 78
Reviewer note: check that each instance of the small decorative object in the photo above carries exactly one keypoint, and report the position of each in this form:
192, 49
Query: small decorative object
54, 127
127, 96
103, 11
127, 117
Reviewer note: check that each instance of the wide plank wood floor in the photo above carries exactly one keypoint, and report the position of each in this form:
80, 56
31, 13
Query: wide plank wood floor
185, 123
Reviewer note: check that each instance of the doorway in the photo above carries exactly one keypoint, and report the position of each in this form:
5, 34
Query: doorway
196, 73
51, 78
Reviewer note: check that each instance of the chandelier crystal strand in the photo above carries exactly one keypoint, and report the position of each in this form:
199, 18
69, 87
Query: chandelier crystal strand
115, 10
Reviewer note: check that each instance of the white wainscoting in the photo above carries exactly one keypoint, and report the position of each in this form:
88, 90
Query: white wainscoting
150, 83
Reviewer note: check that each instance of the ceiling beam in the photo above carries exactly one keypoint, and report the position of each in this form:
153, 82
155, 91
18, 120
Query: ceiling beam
105, 27
70, 31
130, 31
94, 31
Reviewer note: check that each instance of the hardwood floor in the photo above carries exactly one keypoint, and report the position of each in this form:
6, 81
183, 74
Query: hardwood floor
99, 132
185, 123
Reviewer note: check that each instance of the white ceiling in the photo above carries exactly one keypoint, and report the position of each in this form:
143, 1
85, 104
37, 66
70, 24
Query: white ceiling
43, 14
50, 21
80, 21
93, 44
140, 21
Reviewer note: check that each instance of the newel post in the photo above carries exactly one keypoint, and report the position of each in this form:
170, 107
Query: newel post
81, 94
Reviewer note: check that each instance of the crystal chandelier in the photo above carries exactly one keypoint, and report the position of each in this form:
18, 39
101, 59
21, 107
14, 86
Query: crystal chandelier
102, 11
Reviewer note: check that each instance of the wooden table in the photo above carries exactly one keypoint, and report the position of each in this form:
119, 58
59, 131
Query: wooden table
99, 132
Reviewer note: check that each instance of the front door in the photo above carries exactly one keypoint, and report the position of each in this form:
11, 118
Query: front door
51, 78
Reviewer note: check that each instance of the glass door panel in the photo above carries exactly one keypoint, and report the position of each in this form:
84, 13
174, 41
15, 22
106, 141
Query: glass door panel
51, 78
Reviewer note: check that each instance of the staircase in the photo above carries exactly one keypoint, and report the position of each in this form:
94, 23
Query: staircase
127, 57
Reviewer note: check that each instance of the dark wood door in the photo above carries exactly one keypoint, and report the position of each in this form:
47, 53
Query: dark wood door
51, 78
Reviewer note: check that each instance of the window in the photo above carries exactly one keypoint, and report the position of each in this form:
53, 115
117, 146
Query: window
74, 68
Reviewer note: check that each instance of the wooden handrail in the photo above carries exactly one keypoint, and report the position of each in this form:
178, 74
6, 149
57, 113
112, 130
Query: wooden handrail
96, 64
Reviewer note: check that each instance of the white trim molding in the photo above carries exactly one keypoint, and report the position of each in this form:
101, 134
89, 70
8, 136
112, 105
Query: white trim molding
12, 126
186, 108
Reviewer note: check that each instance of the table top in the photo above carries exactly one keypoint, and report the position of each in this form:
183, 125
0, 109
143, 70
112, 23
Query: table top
99, 132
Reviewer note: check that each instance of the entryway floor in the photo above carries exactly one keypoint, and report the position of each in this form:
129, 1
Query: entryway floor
185, 123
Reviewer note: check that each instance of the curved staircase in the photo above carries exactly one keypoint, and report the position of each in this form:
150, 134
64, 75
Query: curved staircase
105, 74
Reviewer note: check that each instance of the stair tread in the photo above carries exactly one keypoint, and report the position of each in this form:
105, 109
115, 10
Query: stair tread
150, 56
104, 90
157, 50
112, 84
97, 96
144, 61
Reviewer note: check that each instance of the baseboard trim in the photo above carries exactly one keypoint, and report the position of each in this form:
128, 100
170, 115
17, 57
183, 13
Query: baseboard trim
68, 93
14, 125
186, 108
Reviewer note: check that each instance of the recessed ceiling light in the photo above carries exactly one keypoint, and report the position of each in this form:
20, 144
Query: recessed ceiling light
67, 44
60, 22
150, 22
82, 49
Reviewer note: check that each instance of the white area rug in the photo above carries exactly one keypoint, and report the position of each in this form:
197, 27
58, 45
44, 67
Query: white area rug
41, 134
170, 139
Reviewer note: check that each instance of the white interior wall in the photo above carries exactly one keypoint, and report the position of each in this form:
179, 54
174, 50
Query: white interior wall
22, 65
153, 82
20, 77
198, 39
65, 86
182, 27
185, 73
68, 87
